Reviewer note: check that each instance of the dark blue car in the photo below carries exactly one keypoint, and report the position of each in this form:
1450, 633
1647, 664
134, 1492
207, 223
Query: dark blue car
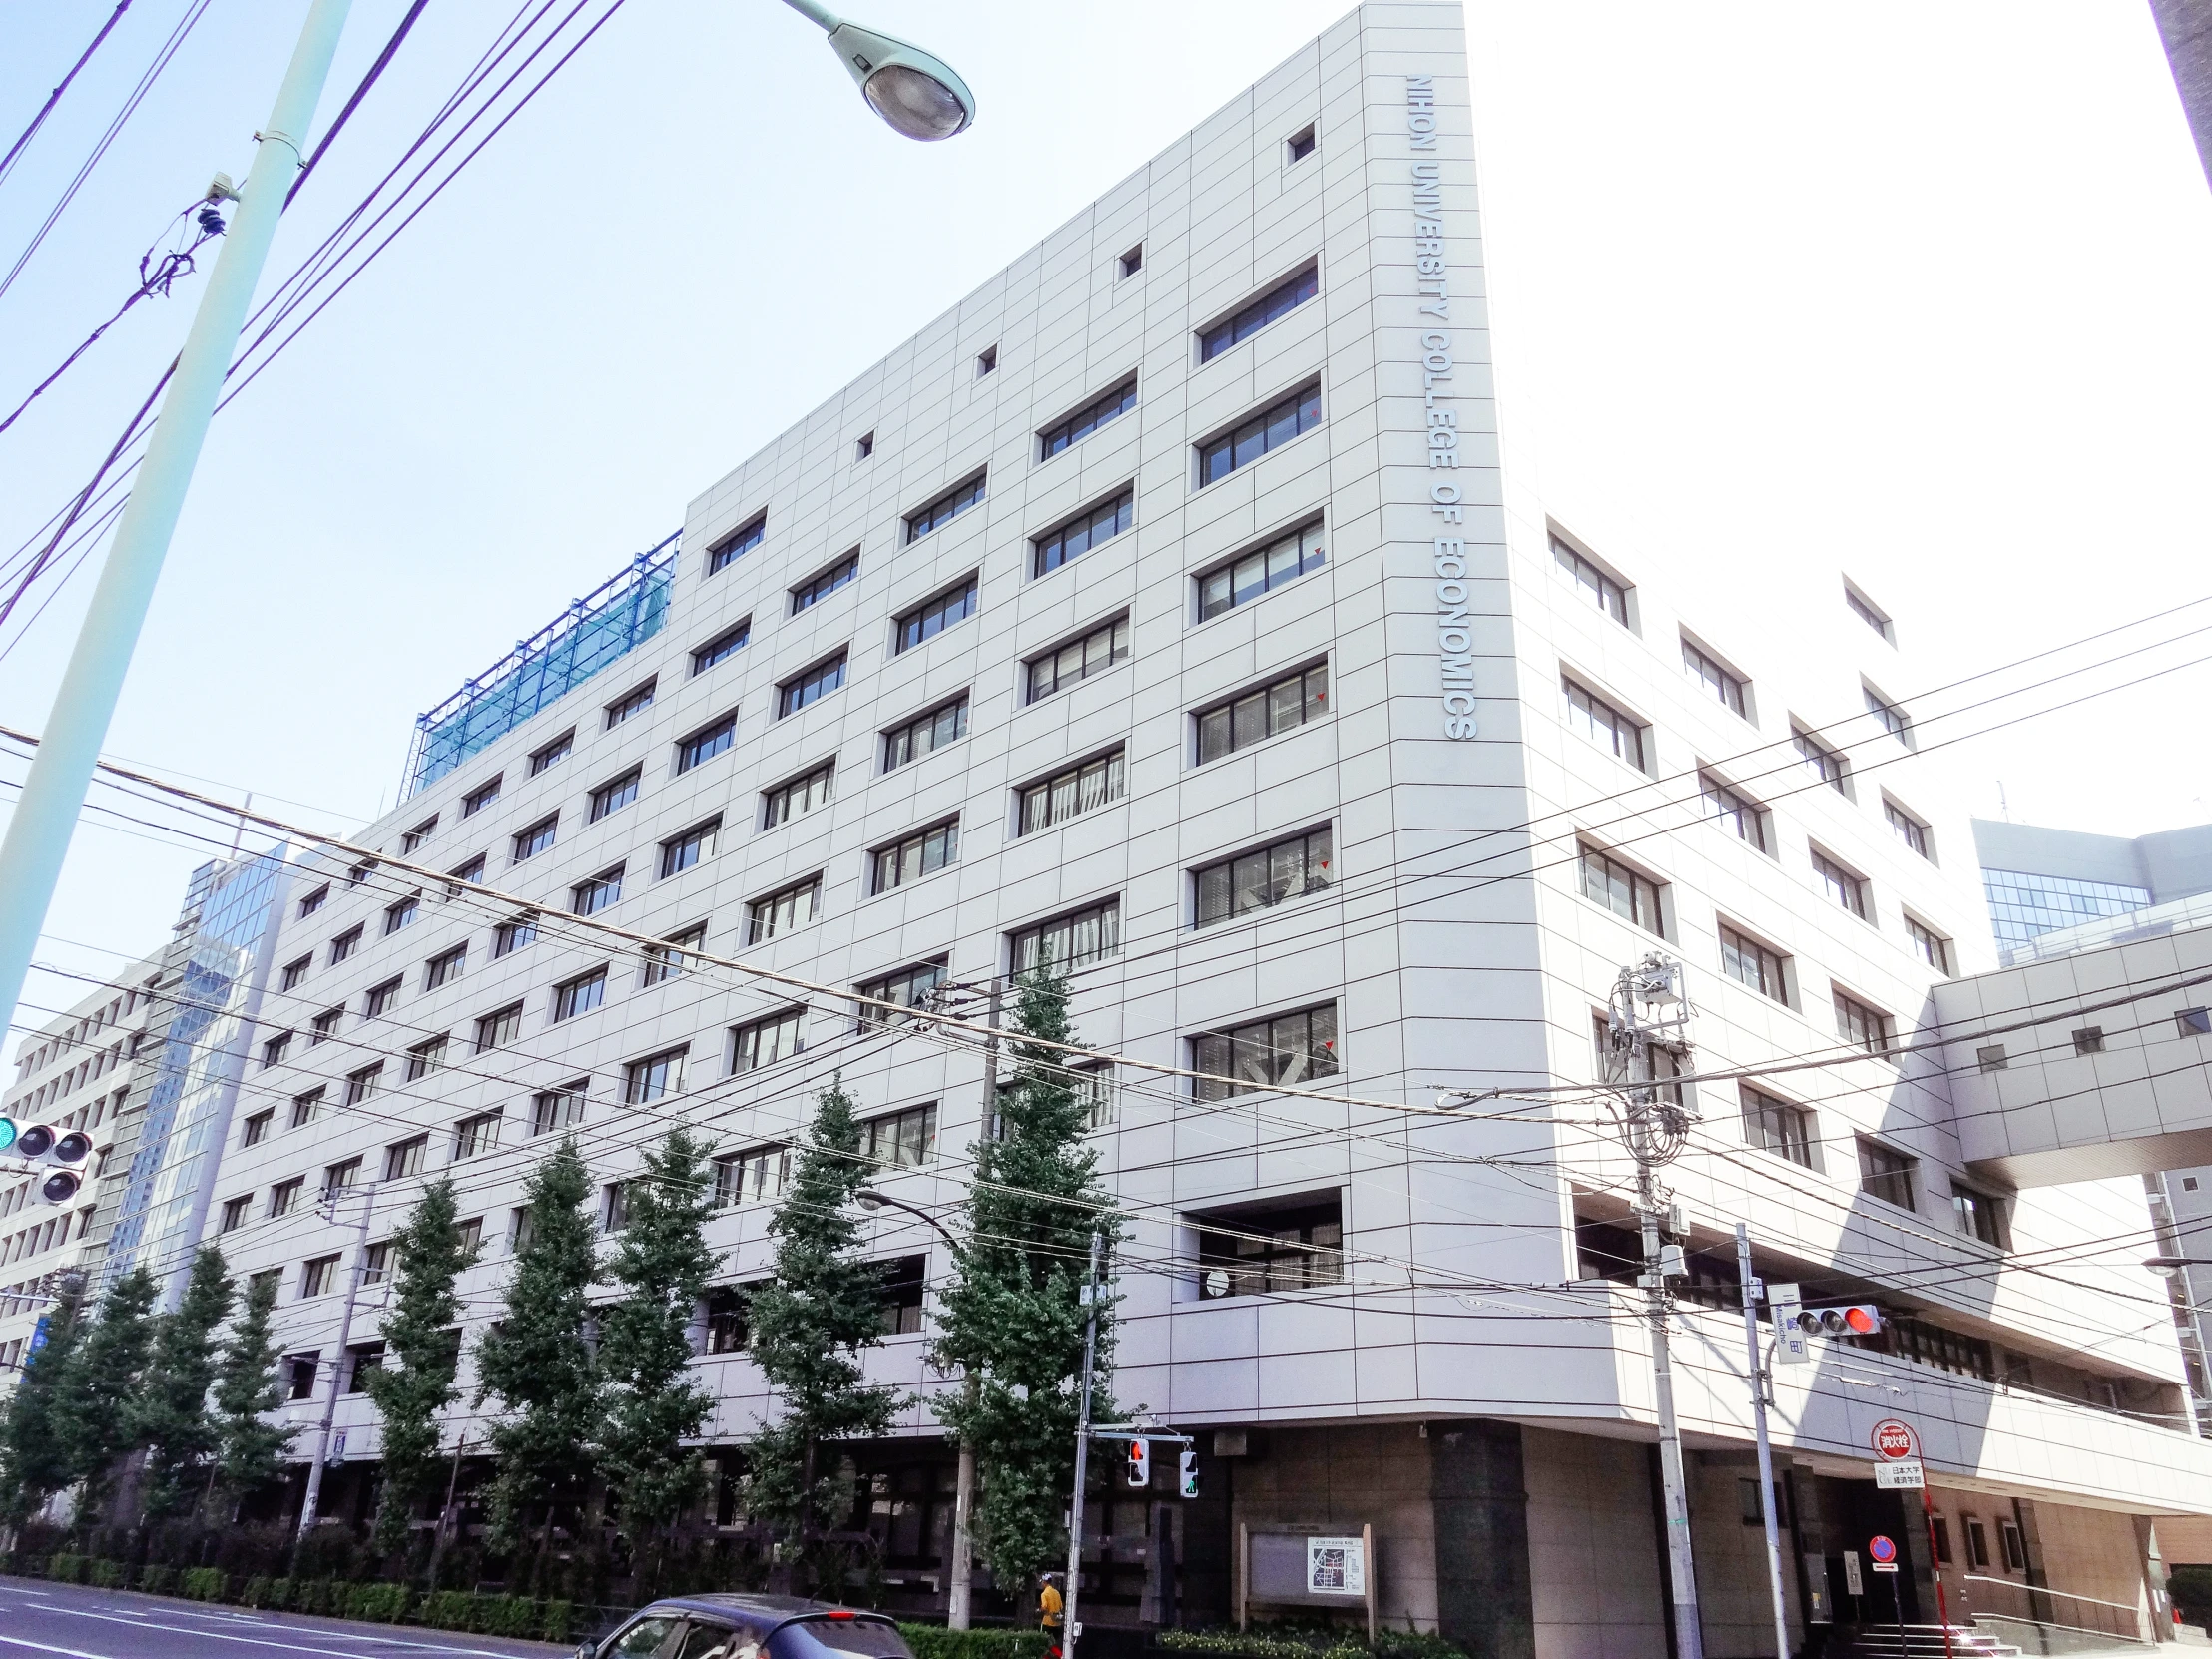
749, 1627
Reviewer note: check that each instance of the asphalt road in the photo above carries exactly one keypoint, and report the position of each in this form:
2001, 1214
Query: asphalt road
82, 1623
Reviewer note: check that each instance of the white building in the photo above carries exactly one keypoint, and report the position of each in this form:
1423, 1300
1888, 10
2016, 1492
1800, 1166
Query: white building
1198, 534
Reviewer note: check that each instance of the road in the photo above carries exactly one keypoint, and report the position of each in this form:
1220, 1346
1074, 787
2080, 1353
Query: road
81, 1623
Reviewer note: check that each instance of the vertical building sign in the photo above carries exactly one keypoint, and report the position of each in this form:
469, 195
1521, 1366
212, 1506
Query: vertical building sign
1455, 624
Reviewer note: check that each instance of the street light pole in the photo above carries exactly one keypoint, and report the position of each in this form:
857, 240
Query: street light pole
1070, 1630
1767, 1505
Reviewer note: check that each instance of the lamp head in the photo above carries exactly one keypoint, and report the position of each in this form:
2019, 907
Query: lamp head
915, 93
869, 1199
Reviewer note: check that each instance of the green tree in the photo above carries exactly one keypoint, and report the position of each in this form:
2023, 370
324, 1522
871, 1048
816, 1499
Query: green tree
170, 1415
34, 1451
250, 1449
661, 1263
1014, 1315
537, 1361
421, 1355
95, 1404
811, 1324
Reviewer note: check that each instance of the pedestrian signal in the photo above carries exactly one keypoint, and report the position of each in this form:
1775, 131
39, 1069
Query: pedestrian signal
1140, 1462
1859, 1318
1190, 1471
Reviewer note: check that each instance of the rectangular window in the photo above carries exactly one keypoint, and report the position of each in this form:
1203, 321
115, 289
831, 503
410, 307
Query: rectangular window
1298, 145
295, 973
285, 1194
986, 361
511, 936
556, 1109
341, 1177
820, 585
580, 995
553, 753
528, 843
810, 687
1728, 688
679, 956
706, 744
1822, 762
474, 1135
2015, 1547
425, 1058
614, 1207
377, 1262
445, 967
1734, 812
765, 1042
1908, 829
1594, 584
904, 1140
779, 912
305, 1108
497, 1030
1886, 1172
798, 797
234, 1213
925, 734
614, 794
403, 915
471, 872
1978, 1214
363, 1085
722, 646
935, 617
380, 1000
601, 891
924, 853
1082, 533
1251, 574
1892, 718
756, 1177
257, 1127
693, 846
318, 1276
1086, 420
1604, 724
1074, 940
863, 446
345, 945
1277, 301
1265, 877
2194, 1022
1778, 1127
654, 1078
904, 1287
1842, 885
315, 901
1079, 659
1280, 1052
1281, 706
1069, 794
728, 1328
630, 703
1865, 610
1279, 1247
482, 796
734, 546
1270, 428
361, 872
418, 834
1929, 945
1628, 894
1862, 1025
945, 508
908, 987
405, 1158
272, 1051
1132, 262
1748, 962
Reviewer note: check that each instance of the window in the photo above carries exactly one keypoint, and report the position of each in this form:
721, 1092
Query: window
257, 1127
1927, 944
340, 1178
471, 872
345, 945
905, 1290
1863, 1026
2089, 1040
810, 687
1992, 1058
300, 1365
1822, 762
1278, 707
528, 843
284, 1196
2015, 1546
1270, 428
630, 703
418, 834
925, 734
1908, 829
1891, 717
1776, 1126
380, 1000
863, 446
1604, 724
403, 915
1886, 1172
363, 1359
1280, 1052
986, 361
295, 973
1596, 587
426, 1057
734, 546
601, 891
727, 1325
272, 1051
1748, 962
952, 503
693, 846
1265, 877
756, 1177
313, 902
2194, 1022
405, 1158
1723, 685
361, 872
614, 794
445, 967
908, 987
779, 912
1978, 1543
935, 617
679, 956
1251, 574
1738, 814
798, 797
1071, 793
1132, 262
1978, 1214
1842, 885
561, 1108
1074, 940
580, 995
1079, 659
511, 936
1086, 420
654, 1077
1281, 1248
497, 1030
1082, 533
822, 585
765, 1042
1300, 146
234, 1213
1277, 301
1863, 609
482, 796
307, 1108
1941, 1528
706, 745
722, 646
924, 853
318, 1276
477, 1134
553, 753
361, 1085
904, 1140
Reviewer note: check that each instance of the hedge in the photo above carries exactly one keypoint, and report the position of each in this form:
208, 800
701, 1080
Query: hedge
1294, 1642
934, 1641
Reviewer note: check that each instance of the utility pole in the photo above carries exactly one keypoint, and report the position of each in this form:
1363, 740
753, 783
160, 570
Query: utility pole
54, 790
445, 1516
337, 1366
1069, 1629
959, 1591
1758, 1374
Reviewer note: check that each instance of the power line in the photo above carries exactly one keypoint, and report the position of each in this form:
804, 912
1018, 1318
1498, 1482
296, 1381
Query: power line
15, 150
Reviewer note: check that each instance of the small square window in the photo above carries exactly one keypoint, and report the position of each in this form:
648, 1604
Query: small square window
1992, 1058
2089, 1040
865, 446
986, 361
1301, 144
1133, 261
2195, 1022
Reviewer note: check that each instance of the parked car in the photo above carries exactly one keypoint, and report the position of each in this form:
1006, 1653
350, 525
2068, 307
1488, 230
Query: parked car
749, 1627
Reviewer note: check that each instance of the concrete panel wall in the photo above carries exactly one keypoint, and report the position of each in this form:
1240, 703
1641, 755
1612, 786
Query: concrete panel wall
1594, 1556
1343, 1479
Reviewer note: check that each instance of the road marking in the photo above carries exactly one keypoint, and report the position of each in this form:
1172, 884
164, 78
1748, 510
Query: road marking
42, 1647
252, 1641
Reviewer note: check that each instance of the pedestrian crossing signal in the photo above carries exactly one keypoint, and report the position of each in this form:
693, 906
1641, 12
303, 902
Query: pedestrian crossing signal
1140, 1463
1190, 1471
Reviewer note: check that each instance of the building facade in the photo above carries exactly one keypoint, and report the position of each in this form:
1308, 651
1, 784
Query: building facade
1178, 610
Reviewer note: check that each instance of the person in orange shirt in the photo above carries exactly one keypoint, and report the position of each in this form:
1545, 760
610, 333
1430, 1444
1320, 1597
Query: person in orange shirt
1049, 1605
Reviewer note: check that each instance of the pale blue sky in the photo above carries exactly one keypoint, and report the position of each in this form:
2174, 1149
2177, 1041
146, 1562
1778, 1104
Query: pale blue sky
1921, 283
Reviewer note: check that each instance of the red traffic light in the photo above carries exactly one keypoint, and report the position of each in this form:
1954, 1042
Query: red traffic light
1140, 1462
1858, 1319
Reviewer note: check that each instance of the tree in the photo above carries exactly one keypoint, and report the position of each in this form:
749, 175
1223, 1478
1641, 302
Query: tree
99, 1386
537, 1361
421, 1355
170, 1417
809, 1325
34, 1451
1013, 1317
250, 1449
663, 1265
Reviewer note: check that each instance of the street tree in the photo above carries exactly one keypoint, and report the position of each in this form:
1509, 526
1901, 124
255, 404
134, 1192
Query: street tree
250, 1450
34, 1454
170, 1417
421, 1356
94, 1405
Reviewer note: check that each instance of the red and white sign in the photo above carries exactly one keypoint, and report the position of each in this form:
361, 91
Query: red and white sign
1894, 1441
1882, 1549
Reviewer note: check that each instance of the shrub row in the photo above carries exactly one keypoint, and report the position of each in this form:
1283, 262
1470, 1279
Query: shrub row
1306, 1642
934, 1641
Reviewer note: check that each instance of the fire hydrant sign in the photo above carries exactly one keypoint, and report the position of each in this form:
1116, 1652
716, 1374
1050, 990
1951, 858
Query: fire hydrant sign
1894, 1441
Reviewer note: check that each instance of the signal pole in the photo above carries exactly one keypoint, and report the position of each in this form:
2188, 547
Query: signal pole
337, 1366
1069, 1629
1752, 1288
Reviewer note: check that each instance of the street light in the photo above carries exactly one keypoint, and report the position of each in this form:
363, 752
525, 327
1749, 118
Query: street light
869, 1199
2170, 1265
915, 92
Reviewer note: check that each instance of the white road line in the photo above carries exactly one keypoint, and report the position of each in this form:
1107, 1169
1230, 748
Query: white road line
289, 1647
42, 1647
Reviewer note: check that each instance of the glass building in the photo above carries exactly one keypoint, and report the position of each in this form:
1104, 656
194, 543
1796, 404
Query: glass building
2024, 905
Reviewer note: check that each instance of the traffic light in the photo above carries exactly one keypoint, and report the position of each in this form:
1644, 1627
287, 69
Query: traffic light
1190, 1471
61, 1153
1858, 1318
1140, 1463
